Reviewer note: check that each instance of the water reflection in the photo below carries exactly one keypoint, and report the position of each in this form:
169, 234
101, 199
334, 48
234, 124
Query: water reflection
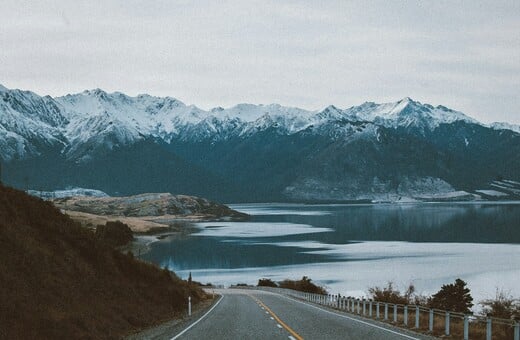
320, 227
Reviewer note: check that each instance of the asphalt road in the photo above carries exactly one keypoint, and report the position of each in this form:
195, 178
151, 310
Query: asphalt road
250, 314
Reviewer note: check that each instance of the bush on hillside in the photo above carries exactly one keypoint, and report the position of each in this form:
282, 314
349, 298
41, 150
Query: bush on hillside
266, 283
303, 285
115, 234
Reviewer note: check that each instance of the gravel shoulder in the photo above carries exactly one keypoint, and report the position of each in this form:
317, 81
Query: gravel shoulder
169, 329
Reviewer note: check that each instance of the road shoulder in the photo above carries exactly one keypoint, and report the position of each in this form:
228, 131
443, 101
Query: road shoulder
169, 329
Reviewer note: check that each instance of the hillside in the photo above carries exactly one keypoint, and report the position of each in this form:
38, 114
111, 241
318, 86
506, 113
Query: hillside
58, 282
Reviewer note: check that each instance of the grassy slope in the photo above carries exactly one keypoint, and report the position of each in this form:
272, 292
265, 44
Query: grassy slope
57, 281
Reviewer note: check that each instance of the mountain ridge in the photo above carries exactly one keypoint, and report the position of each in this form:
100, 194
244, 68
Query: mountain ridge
261, 151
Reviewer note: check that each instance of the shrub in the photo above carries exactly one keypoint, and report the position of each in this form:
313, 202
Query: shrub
114, 233
303, 285
502, 306
390, 294
266, 283
454, 297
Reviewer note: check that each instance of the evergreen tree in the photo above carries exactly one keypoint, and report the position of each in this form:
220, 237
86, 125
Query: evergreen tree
453, 297
189, 279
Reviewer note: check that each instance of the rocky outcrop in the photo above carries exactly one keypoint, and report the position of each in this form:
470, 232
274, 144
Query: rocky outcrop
151, 204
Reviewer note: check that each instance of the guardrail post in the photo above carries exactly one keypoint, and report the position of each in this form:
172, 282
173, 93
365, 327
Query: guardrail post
489, 330
517, 331
386, 311
466, 327
395, 313
364, 307
189, 305
370, 308
377, 310
430, 325
405, 315
447, 324
358, 307
353, 308
417, 316
339, 301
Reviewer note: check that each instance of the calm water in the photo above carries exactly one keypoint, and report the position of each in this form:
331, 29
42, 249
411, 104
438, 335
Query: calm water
349, 248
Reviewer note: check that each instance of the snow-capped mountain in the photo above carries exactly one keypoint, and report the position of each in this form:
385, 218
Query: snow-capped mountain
28, 123
505, 126
269, 151
94, 121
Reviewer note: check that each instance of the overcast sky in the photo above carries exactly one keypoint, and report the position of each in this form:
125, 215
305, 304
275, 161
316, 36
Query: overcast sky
309, 54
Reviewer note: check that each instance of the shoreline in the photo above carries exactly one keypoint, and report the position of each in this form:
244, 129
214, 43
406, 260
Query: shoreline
141, 244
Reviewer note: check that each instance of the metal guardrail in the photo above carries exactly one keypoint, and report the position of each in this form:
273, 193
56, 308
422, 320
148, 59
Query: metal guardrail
400, 315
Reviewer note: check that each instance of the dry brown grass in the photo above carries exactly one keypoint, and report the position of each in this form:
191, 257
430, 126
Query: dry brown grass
477, 330
136, 224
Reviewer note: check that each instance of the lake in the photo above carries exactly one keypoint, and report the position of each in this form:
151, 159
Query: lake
349, 248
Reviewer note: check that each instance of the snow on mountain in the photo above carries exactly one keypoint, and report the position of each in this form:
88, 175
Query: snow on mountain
407, 112
93, 120
505, 126
98, 132
73, 192
148, 115
28, 122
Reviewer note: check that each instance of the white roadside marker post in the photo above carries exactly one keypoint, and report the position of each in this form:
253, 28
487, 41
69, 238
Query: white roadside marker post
189, 306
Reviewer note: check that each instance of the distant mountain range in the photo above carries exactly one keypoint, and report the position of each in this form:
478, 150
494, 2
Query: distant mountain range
126, 145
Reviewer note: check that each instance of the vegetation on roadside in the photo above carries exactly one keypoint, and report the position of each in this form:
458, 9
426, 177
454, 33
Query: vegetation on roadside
58, 281
267, 283
455, 297
391, 294
502, 306
303, 285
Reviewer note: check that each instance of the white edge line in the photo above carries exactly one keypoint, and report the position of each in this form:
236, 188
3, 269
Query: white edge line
353, 319
196, 322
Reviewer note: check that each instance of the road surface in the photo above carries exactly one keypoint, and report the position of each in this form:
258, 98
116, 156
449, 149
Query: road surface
252, 314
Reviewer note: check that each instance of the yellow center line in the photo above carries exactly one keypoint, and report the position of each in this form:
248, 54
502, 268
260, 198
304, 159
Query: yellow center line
289, 329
